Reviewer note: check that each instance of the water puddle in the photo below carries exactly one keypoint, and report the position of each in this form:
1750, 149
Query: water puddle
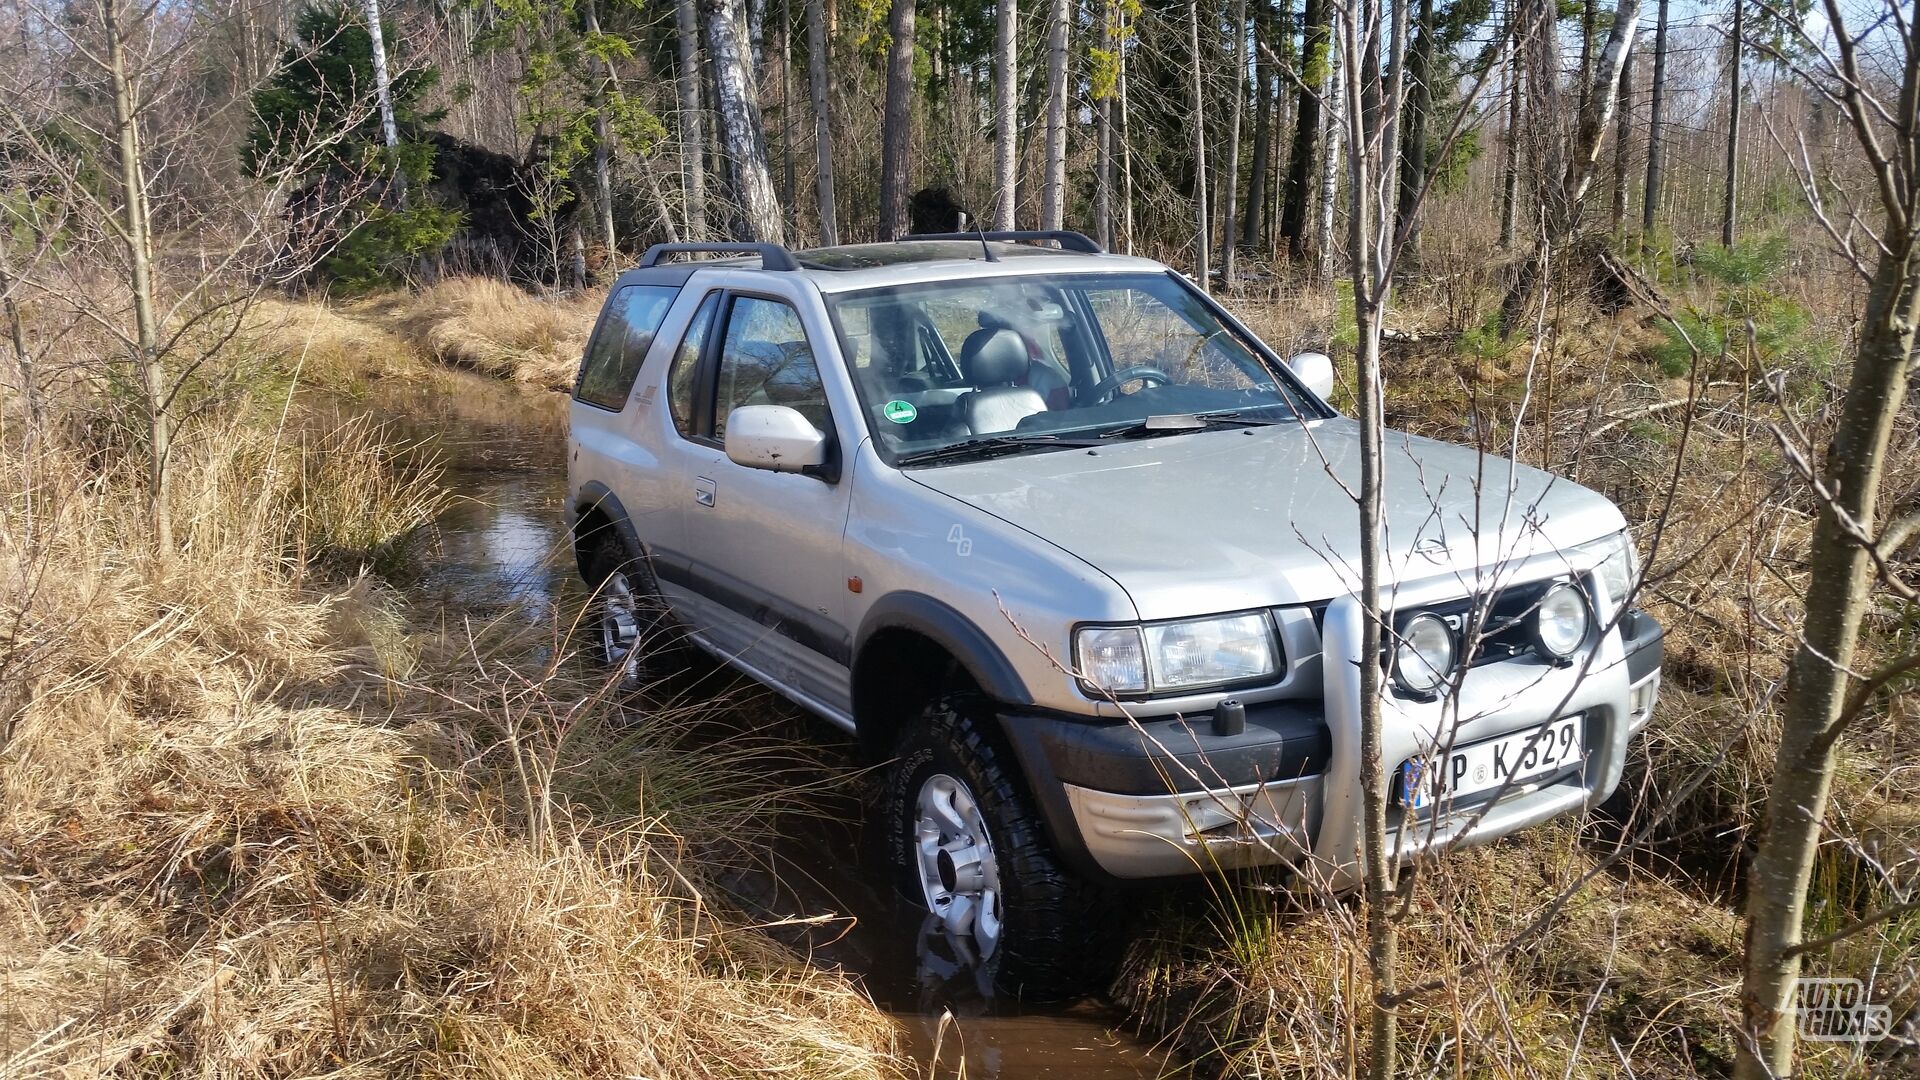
503, 545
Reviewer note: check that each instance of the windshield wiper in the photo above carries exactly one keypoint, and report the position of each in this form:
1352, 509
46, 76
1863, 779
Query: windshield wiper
992, 446
1166, 423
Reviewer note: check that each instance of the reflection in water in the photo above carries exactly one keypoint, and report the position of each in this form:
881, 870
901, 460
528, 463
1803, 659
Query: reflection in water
503, 545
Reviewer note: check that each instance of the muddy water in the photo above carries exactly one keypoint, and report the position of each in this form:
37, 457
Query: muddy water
503, 544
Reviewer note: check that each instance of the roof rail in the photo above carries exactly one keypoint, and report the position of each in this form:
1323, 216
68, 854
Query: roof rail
772, 256
1066, 238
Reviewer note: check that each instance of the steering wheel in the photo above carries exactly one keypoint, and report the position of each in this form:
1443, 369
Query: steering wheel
1106, 388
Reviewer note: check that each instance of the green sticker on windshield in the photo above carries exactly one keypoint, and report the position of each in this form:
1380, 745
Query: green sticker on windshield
900, 412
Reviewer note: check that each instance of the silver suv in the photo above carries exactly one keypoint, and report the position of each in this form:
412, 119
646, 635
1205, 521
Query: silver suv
1057, 537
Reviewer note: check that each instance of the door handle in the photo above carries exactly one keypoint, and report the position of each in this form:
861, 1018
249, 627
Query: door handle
703, 491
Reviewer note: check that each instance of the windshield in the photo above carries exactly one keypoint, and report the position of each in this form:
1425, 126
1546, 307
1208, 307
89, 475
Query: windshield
1049, 359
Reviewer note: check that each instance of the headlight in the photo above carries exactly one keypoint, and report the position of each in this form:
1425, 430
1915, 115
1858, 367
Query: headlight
1112, 658
1561, 621
1423, 658
1178, 655
1618, 569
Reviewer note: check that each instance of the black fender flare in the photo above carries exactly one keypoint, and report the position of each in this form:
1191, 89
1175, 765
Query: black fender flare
940, 623
592, 497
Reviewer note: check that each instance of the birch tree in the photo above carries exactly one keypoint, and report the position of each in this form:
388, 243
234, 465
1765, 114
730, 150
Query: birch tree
1371, 116
1253, 225
1196, 104
1006, 111
738, 98
1827, 690
1230, 188
1053, 186
1730, 193
693, 138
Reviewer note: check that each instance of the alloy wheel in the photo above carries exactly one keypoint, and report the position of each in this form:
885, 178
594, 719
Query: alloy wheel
959, 878
619, 623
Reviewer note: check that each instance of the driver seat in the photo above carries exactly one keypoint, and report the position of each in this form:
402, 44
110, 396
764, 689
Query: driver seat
995, 363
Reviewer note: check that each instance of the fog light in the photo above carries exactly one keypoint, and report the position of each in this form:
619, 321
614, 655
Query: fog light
1640, 702
1424, 657
1561, 621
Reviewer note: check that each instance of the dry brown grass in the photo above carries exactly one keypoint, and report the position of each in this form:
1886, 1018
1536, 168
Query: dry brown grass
1637, 972
496, 328
1632, 966
255, 825
364, 358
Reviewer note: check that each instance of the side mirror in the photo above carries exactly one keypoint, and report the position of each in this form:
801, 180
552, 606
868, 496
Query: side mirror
774, 437
1315, 369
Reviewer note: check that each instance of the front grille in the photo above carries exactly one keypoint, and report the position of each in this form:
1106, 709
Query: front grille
1502, 631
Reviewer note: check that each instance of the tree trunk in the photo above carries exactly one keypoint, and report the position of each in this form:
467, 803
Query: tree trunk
1104, 134
1731, 203
1053, 185
1838, 595
1126, 144
1371, 118
1230, 184
896, 135
1419, 119
139, 248
1587, 22
1255, 224
788, 181
1622, 142
1202, 236
1006, 112
1306, 128
382, 86
1333, 85
693, 139
1650, 195
1510, 178
817, 47
602, 166
740, 130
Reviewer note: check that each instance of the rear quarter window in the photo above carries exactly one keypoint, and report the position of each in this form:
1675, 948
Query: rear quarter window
621, 343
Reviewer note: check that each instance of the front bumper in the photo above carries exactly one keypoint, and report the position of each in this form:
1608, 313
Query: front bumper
1163, 797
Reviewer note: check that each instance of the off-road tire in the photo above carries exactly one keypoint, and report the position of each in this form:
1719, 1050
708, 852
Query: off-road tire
1056, 927
662, 649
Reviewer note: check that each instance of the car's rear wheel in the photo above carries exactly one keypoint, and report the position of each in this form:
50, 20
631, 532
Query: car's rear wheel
631, 627
966, 842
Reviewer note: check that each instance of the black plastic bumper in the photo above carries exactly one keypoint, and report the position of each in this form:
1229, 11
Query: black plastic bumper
1645, 643
1283, 740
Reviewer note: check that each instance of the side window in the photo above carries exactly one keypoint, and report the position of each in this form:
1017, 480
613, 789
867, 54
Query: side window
686, 365
614, 358
766, 361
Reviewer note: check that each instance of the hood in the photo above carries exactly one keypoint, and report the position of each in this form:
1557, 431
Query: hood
1257, 517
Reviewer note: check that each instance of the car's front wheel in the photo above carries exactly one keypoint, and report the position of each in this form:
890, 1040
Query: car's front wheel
630, 626
966, 842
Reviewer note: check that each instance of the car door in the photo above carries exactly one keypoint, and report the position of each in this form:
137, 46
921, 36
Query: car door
615, 443
763, 564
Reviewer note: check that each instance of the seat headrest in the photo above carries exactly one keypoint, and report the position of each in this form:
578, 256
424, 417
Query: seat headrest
991, 358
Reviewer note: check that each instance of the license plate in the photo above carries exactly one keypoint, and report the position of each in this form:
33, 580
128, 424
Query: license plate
1510, 759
